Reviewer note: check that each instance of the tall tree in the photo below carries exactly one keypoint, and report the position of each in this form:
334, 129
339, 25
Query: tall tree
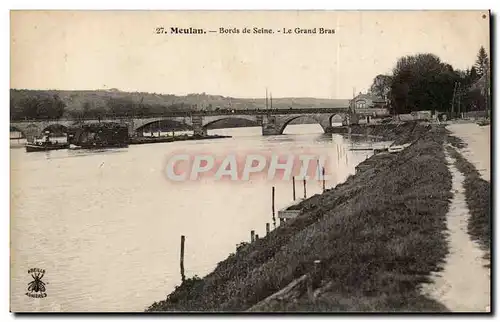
381, 85
422, 82
473, 75
482, 62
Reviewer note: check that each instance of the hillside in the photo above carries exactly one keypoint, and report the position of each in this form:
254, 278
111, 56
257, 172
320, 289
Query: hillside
75, 100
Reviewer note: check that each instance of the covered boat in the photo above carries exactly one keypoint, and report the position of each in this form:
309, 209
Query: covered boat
99, 135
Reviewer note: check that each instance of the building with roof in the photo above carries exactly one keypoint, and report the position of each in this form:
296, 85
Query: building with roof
368, 101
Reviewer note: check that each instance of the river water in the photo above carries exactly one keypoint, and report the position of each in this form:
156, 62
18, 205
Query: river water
105, 225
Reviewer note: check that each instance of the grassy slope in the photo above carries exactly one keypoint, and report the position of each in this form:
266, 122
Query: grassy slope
399, 133
477, 195
378, 236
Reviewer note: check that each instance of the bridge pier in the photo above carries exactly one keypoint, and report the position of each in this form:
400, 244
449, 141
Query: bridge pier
200, 131
270, 126
198, 128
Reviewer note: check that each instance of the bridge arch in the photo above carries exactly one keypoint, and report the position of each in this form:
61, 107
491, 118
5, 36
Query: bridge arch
287, 121
252, 121
212, 119
14, 128
167, 122
55, 128
336, 118
31, 131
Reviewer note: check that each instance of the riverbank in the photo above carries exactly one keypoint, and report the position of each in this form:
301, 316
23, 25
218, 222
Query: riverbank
400, 133
366, 245
162, 139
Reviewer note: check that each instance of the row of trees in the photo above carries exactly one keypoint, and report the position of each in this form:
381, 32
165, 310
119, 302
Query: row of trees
119, 107
37, 107
52, 107
424, 82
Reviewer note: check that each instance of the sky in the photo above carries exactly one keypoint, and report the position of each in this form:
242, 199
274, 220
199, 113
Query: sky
85, 50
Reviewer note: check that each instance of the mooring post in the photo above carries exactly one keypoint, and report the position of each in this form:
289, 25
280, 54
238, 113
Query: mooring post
268, 228
318, 168
274, 217
323, 172
252, 236
310, 280
293, 184
305, 191
183, 239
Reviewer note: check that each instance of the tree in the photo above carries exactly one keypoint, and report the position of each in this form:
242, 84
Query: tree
422, 82
86, 107
473, 75
56, 108
381, 85
29, 107
474, 100
482, 62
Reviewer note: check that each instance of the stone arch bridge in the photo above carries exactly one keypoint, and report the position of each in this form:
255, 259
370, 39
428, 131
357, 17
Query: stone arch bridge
273, 122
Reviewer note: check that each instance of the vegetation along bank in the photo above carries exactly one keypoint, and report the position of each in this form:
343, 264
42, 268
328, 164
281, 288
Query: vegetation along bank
365, 245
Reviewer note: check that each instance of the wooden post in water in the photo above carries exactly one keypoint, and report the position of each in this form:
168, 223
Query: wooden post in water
274, 217
305, 191
268, 228
183, 239
293, 184
252, 236
317, 166
323, 171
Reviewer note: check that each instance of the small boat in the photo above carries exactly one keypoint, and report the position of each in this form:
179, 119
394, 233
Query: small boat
45, 146
74, 147
398, 148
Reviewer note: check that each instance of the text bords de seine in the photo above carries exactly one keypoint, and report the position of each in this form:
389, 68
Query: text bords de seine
247, 30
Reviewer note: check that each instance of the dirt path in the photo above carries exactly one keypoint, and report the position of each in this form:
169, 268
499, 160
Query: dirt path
478, 148
464, 284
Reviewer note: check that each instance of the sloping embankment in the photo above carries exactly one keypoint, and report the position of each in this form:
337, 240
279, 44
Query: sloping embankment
400, 133
377, 237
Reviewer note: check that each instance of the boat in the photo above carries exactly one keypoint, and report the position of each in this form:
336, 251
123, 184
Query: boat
398, 148
483, 122
45, 146
74, 147
101, 145
98, 136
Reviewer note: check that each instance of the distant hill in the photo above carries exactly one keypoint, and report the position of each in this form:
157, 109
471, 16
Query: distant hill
75, 100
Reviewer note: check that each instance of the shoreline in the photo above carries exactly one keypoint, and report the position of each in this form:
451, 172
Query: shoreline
149, 140
385, 227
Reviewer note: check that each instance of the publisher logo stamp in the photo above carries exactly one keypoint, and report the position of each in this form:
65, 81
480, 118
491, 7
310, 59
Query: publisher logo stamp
36, 288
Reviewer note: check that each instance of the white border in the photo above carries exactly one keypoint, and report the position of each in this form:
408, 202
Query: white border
191, 5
